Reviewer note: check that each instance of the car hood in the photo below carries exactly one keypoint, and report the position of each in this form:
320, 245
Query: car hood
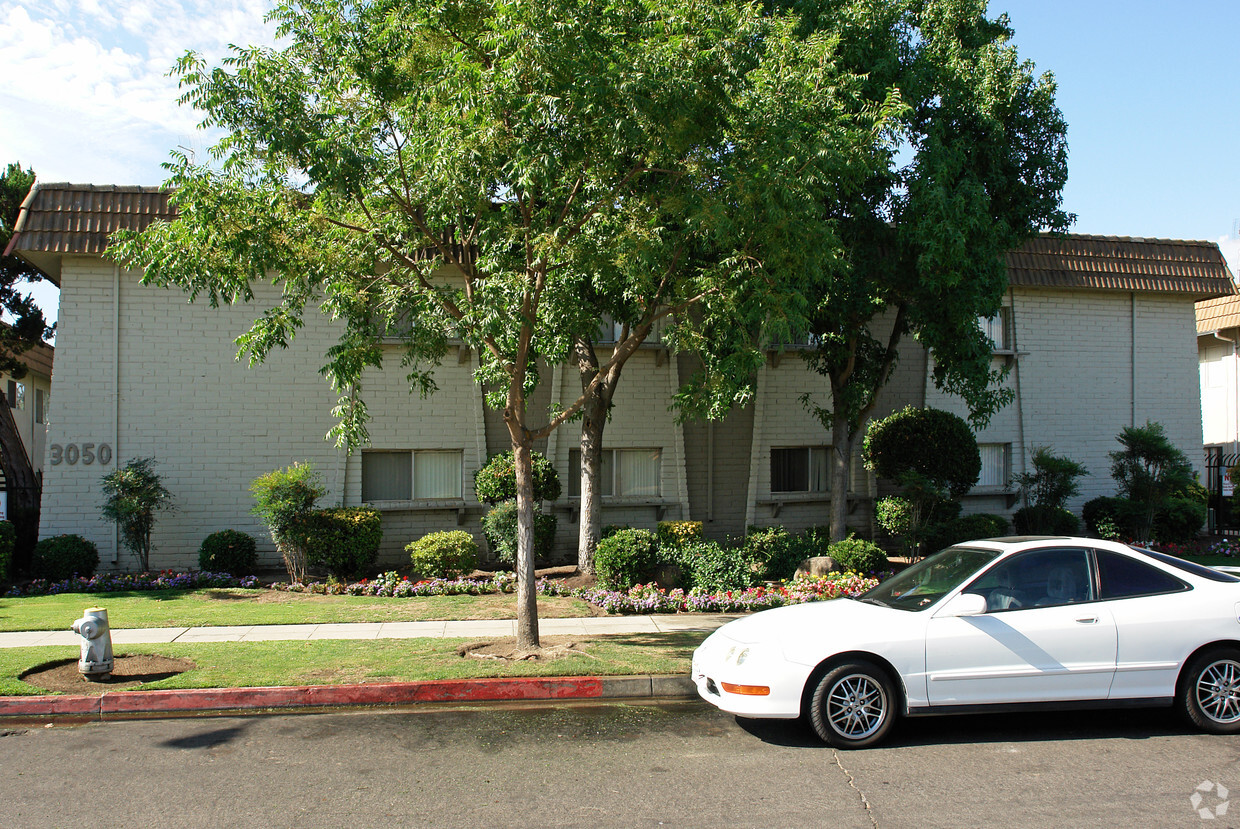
838, 619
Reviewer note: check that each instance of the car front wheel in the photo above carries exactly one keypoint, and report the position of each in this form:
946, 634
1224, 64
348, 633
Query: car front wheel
853, 705
1210, 691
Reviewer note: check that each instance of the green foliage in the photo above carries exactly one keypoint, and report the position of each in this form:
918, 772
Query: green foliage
1107, 517
499, 527
773, 552
1148, 469
1053, 479
677, 533
135, 492
715, 568
497, 481
933, 445
626, 558
281, 498
443, 555
65, 556
609, 530
24, 325
228, 551
344, 540
1179, 520
966, 528
8, 537
1045, 520
857, 555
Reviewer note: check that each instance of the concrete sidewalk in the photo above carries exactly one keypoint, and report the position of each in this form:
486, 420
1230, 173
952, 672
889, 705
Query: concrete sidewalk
592, 625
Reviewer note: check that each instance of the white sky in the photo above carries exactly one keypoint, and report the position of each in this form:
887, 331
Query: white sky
1146, 87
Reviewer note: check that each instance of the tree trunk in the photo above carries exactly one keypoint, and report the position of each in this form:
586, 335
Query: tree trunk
841, 453
592, 425
527, 595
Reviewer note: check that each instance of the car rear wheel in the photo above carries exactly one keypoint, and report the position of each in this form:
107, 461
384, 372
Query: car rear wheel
853, 705
1209, 693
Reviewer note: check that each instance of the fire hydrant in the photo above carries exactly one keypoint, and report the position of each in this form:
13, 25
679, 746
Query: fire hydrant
96, 661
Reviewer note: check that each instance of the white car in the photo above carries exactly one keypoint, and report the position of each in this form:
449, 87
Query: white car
992, 625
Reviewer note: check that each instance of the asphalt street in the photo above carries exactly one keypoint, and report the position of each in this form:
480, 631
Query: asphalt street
603, 765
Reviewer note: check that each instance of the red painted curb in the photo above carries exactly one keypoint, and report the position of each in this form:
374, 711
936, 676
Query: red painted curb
49, 706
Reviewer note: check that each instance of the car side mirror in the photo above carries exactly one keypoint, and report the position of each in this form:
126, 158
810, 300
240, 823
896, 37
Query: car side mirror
965, 604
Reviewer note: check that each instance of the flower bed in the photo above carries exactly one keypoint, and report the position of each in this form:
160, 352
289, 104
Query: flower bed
122, 582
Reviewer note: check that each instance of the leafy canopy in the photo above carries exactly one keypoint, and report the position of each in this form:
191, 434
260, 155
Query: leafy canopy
26, 325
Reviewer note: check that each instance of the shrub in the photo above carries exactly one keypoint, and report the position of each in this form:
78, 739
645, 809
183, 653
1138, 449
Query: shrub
1110, 517
1148, 470
65, 556
934, 445
626, 558
773, 551
499, 526
228, 551
816, 541
1052, 481
1045, 520
444, 555
968, 528
135, 493
1179, 520
8, 538
280, 498
857, 555
678, 533
611, 529
345, 540
497, 481
714, 568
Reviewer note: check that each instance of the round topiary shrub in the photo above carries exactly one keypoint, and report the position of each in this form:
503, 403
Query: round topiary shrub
1044, 520
345, 540
497, 481
857, 555
65, 556
935, 445
228, 551
443, 555
626, 558
499, 527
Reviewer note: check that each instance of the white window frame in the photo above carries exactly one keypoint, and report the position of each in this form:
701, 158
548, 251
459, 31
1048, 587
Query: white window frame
998, 329
1005, 483
825, 459
413, 494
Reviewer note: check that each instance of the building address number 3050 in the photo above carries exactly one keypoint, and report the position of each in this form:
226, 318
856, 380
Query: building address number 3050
84, 453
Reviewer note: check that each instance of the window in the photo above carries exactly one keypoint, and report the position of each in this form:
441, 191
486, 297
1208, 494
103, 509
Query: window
405, 475
40, 405
1121, 577
996, 465
799, 469
632, 473
17, 395
997, 328
1040, 578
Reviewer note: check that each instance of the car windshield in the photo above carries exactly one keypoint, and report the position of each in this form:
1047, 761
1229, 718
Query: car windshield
924, 583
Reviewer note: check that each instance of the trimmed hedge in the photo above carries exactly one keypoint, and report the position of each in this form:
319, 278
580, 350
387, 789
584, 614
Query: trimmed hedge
344, 540
856, 555
714, 568
1120, 513
1179, 520
1044, 520
65, 556
228, 551
626, 558
443, 555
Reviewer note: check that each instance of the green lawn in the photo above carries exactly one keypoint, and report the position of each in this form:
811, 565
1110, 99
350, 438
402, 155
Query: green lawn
328, 662
194, 608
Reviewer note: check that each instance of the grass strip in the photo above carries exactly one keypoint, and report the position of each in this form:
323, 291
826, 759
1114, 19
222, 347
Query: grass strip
237, 606
339, 662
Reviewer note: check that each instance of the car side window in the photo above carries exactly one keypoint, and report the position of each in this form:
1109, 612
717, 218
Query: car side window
1122, 577
1039, 578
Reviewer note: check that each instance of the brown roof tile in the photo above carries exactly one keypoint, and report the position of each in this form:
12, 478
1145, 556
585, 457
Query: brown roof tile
1218, 314
78, 218
1121, 263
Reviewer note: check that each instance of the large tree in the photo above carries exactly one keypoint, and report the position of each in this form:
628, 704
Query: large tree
461, 171
24, 328
975, 164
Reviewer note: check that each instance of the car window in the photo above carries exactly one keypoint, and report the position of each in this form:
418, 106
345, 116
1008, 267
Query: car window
1038, 578
1187, 566
1121, 577
921, 585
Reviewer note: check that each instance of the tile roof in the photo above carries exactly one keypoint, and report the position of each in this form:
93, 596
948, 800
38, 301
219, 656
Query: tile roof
1218, 314
1121, 263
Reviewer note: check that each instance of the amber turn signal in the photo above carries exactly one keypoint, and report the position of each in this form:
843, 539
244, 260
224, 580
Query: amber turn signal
747, 690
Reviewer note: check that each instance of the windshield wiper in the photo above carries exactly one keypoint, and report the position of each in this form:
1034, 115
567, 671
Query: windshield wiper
873, 601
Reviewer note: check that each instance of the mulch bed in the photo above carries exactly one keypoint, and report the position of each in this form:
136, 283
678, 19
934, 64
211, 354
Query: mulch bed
127, 672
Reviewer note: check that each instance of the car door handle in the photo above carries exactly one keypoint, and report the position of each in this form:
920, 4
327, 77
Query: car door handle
1092, 620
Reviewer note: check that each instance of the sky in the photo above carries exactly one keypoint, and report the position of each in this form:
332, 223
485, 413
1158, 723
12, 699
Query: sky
1147, 88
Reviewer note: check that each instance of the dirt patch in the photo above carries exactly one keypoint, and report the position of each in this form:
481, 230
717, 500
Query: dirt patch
506, 650
127, 672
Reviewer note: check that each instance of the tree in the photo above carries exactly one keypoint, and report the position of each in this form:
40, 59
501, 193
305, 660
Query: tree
458, 171
975, 164
1149, 468
26, 327
135, 492
282, 498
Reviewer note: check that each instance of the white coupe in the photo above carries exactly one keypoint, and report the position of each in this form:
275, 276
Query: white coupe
992, 625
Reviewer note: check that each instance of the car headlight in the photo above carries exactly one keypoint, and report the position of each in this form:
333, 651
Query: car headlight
742, 656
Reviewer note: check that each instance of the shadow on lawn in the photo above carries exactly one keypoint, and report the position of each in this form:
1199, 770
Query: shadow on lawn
679, 645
